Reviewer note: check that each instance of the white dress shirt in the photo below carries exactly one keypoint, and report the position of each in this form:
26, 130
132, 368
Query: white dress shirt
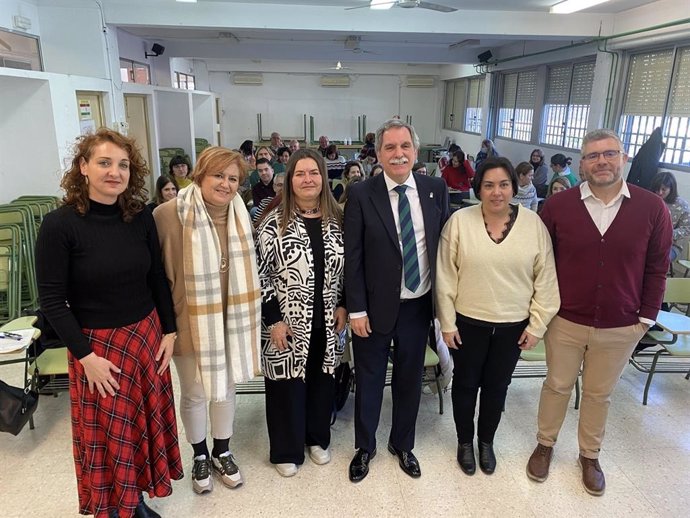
420, 236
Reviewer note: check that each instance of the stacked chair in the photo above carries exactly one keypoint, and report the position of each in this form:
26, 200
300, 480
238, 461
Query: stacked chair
19, 224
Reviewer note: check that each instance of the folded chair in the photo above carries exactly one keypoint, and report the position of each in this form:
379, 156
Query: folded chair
672, 351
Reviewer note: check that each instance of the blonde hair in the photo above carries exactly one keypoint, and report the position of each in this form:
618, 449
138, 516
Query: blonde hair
215, 159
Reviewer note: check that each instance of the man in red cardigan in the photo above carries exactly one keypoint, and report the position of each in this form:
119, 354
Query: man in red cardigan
611, 242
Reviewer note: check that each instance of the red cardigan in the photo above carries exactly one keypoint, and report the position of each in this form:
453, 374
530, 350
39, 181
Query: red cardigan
456, 178
610, 280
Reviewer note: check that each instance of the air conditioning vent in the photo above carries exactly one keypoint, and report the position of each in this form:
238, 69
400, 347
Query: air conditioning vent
419, 82
247, 79
341, 81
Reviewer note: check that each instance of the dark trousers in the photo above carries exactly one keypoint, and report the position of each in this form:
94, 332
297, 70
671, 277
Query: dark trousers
486, 359
298, 412
371, 354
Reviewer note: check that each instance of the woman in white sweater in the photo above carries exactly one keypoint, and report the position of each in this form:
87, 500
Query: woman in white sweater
496, 292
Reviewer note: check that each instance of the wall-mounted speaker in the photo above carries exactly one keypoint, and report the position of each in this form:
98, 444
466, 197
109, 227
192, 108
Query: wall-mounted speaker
156, 50
484, 57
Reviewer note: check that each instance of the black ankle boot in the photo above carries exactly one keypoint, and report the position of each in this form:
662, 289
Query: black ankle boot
144, 511
487, 459
466, 458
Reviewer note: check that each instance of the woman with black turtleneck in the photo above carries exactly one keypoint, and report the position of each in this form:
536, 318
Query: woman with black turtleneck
103, 289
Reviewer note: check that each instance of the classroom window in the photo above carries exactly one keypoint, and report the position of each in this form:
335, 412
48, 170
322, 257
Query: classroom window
463, 110
657, 94
516, 110
566, 105
20, 51
134, 72
184, 81
473, 112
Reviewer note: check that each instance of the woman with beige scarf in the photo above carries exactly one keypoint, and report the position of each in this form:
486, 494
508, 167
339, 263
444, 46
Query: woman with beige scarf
209, 257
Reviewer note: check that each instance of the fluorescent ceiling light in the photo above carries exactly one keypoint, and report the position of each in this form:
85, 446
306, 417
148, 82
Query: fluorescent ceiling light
571, 6
187, 1
381, 4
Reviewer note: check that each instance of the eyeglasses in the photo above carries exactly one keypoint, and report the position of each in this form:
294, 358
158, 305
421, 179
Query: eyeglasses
610, 155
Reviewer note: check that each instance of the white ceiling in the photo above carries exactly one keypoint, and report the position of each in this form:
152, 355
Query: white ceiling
316, 30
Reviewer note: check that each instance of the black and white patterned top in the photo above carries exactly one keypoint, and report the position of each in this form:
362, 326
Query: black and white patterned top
286, 272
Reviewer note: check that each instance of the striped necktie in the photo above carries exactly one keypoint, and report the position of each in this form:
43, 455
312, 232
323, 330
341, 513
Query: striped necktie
409, 244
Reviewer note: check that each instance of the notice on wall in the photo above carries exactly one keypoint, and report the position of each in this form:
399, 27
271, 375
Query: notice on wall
87, 126
85, 109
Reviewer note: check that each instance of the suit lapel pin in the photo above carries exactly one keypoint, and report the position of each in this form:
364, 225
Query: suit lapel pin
431, 195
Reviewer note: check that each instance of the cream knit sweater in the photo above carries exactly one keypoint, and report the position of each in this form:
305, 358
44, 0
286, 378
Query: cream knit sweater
506, 282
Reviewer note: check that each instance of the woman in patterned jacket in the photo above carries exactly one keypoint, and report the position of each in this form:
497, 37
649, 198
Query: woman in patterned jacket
301, 262
665, 185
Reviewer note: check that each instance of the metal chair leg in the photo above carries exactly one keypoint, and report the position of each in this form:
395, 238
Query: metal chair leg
652, 368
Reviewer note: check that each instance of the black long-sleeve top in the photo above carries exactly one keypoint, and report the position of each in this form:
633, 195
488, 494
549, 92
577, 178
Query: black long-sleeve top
98, 272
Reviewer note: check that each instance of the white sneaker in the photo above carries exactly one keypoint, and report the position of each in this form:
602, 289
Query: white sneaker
224, 466
319, 456
201, 475
287, 469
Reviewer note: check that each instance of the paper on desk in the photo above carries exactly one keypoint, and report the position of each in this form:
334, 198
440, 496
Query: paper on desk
8, 345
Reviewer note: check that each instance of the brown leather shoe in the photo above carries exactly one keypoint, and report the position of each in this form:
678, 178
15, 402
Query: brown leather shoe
539, 462
592, 476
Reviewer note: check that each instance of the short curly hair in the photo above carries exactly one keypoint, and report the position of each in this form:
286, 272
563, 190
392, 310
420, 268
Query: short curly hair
132, 200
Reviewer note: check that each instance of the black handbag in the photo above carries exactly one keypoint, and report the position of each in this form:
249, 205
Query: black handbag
16, 407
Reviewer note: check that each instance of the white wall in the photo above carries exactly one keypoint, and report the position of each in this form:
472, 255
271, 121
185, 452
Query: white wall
284, 98
72, 41
27, 9
30, 163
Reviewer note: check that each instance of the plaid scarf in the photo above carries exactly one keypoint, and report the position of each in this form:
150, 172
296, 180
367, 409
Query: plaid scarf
217, 343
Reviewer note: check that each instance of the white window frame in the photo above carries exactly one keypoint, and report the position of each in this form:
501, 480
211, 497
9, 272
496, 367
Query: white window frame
566, 106
517, 107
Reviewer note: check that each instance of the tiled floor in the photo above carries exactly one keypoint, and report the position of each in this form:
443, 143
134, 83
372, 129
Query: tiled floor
646, 459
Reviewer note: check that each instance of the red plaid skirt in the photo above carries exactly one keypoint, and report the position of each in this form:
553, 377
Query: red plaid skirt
126, 444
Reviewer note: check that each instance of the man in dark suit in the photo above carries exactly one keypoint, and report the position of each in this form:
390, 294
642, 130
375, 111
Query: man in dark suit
392, 226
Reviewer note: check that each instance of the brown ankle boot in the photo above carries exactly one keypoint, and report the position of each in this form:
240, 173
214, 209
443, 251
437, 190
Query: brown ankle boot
539, 462
592, 476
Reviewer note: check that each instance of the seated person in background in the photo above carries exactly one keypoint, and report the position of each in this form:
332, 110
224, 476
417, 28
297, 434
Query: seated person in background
293, 145
261, 152
335, 162
180, 169
541, 172
282, 157
488, 150
247, 149
560, 164
458, 173
527, 193
166, 189
664, 184
557, 185
445, 157
343, 199
276, 142
420, 167
323, 145
369, 161
263, 189
368, 144
353, 169
278, 183
376, 169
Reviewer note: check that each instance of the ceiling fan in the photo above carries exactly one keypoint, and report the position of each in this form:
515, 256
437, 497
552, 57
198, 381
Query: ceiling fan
408, 4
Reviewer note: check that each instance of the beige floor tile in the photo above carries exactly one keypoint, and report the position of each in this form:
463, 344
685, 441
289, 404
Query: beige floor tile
646, 458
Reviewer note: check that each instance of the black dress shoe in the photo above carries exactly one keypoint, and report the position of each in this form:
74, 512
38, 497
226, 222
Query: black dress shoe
487, 459
359, 466
144, 511
466, 458
408, 462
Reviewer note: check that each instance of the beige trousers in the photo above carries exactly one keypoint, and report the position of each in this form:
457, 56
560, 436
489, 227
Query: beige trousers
602, 355
195, 409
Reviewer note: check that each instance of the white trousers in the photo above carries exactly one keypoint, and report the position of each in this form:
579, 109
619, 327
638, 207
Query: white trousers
194, 405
